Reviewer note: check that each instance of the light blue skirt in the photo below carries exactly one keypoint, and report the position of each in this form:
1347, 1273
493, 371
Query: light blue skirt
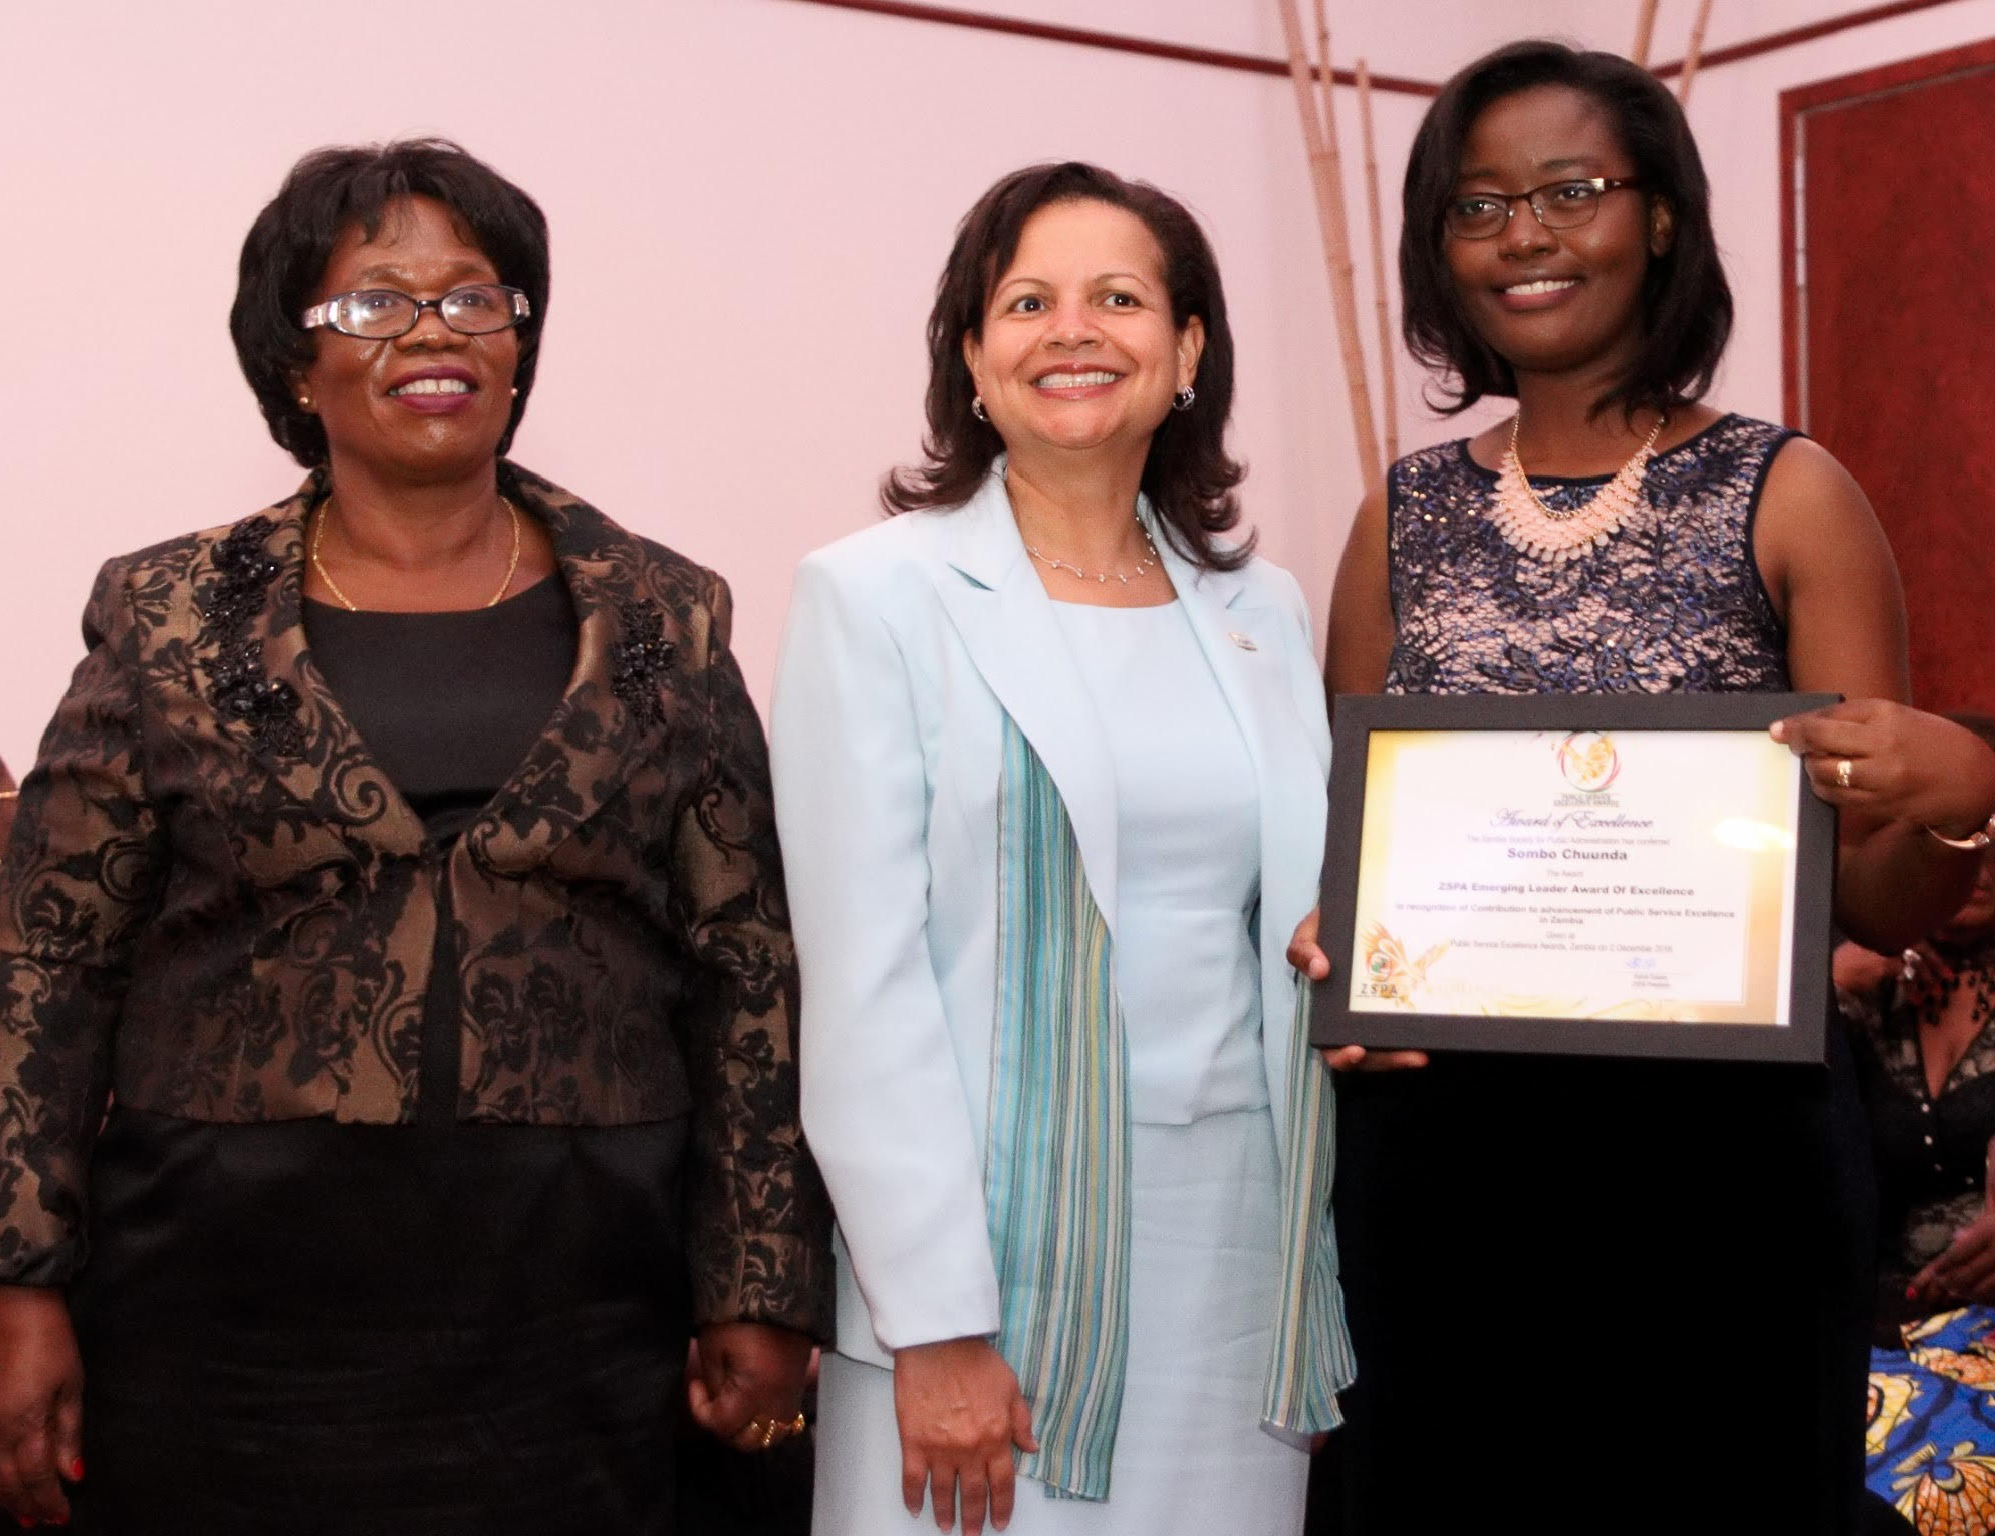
1190, 1456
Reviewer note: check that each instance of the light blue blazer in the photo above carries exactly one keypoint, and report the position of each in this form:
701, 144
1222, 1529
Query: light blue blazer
906, 646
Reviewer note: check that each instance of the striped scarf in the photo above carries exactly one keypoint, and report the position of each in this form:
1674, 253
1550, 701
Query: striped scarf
1057, 1168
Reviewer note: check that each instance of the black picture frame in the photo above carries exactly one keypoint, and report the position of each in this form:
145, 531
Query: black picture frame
1334, 1022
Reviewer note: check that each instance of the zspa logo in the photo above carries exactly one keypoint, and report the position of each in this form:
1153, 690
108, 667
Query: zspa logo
1588, 761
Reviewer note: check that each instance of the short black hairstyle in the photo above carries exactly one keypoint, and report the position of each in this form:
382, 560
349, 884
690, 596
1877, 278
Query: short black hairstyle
1686, 302
1188, 476
287, 248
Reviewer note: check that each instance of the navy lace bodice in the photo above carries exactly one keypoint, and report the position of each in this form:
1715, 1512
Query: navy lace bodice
1673, 602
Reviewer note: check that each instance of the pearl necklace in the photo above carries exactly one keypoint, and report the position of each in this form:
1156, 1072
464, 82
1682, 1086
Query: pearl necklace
1534, 529
1144, 565
319, 534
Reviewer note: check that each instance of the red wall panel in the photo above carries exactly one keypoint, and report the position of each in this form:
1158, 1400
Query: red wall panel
1892, 333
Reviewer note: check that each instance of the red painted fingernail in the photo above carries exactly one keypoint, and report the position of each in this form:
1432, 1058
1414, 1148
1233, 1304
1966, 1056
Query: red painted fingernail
76, 1470
1911, 1293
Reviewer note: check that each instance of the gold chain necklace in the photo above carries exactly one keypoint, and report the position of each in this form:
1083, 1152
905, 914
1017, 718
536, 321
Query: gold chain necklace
319, 533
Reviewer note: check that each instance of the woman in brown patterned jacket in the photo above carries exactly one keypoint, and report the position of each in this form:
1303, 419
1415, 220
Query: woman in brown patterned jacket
400, 870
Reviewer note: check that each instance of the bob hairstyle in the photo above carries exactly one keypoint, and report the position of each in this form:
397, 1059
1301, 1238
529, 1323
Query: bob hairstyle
1188, 475
1686, 302
285, 254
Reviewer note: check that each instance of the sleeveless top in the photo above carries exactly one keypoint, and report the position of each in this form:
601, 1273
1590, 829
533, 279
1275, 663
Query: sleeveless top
1672, 603
1642, 1205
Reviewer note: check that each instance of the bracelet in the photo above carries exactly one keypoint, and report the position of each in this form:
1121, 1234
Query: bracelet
10, 794
1980, 838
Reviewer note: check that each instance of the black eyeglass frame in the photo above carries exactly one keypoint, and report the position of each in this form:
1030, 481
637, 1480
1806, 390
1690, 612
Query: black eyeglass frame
326, 314
1601, 185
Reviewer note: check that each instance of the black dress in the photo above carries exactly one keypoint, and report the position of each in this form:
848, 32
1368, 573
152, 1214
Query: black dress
425, 1329
1585, 1294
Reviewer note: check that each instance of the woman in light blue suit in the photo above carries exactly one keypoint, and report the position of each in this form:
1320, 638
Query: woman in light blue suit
1050, 760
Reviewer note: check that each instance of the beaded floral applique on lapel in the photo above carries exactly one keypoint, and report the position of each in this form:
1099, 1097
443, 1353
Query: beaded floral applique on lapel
639, 659
238, 686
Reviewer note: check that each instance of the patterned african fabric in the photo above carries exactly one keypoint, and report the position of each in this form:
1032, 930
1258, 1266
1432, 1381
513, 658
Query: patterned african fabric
1929, 1441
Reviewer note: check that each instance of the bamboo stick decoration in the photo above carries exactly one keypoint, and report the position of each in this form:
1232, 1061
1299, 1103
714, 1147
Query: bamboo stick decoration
1645, 32
1326, 79
1693, 55
1326, 85
1388, 384
1328, 178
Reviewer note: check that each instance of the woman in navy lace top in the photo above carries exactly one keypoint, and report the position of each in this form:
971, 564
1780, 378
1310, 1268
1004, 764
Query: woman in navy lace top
1551, 1263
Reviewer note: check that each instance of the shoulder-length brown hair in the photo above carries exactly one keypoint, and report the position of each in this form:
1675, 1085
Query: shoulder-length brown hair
1189, 477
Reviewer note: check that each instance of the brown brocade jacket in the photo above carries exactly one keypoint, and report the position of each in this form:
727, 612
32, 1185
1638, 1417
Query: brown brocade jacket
215, 905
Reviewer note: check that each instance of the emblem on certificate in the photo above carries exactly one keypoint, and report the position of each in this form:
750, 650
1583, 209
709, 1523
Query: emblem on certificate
1635, 875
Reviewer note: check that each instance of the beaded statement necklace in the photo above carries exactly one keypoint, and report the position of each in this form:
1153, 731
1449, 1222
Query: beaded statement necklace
1534, 529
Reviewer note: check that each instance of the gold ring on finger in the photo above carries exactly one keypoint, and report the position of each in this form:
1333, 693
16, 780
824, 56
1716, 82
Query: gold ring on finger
1844, 770
769, 1434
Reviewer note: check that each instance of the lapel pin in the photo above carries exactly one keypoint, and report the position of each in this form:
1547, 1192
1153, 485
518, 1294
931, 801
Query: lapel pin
1241, 640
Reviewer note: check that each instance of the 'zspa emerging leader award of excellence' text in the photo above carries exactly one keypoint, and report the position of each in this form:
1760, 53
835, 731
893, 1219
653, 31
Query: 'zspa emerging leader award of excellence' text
1595, 874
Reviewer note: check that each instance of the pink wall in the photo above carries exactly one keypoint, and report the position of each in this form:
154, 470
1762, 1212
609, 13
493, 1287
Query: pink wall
785, 177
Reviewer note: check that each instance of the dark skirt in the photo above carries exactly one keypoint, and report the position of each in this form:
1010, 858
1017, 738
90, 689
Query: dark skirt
1602, 1295
349, 1330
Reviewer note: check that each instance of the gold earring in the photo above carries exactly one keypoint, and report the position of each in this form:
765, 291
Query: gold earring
516, 391
305, 401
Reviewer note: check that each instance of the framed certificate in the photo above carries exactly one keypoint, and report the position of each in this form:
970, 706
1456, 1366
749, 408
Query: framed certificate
1605, 874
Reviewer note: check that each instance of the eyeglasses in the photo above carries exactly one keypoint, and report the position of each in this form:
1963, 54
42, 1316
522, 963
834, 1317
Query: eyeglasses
1556, 205
381, 314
